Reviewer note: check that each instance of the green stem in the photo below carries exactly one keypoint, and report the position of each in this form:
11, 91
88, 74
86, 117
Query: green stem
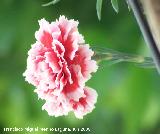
103, 54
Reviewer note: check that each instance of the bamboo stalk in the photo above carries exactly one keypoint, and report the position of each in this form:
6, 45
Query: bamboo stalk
142, 18
152, 12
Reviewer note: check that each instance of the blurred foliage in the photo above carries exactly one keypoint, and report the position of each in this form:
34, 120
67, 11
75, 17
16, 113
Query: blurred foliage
51, 3
115, 5
99, 8
129, 97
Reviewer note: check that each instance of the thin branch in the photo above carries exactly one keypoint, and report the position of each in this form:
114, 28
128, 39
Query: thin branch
104, 54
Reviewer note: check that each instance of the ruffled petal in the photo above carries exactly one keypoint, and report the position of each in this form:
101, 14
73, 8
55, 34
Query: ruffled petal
85, 104
83, 58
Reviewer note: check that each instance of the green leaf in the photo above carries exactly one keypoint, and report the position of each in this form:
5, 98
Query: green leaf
129, 8
51, 3
115, 5
98, 8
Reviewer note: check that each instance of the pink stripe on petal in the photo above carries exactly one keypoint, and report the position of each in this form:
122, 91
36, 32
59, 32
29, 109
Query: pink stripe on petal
83, 58
53, 61
58, 47
44, 34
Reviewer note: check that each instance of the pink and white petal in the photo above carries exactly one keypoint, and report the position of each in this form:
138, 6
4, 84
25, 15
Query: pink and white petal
37, 49
91, 96
83, 58
57, 107
75, 95
75, 90
58, 77
53, 60
32, 70
72, 44
55, 31
44, 25
86, 104
44, 34
53, 109
67, 72
45, 38
30, 78
91, 67
58, 48
76, 35
68, 27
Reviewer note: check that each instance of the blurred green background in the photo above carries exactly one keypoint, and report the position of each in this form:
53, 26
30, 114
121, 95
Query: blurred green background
129, 97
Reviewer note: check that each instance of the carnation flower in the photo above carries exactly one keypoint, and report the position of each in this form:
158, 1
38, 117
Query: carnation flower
58, 65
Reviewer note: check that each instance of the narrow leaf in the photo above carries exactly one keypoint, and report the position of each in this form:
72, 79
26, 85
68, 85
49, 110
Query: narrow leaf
98, 8
51, 3
129, 8
115, 5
